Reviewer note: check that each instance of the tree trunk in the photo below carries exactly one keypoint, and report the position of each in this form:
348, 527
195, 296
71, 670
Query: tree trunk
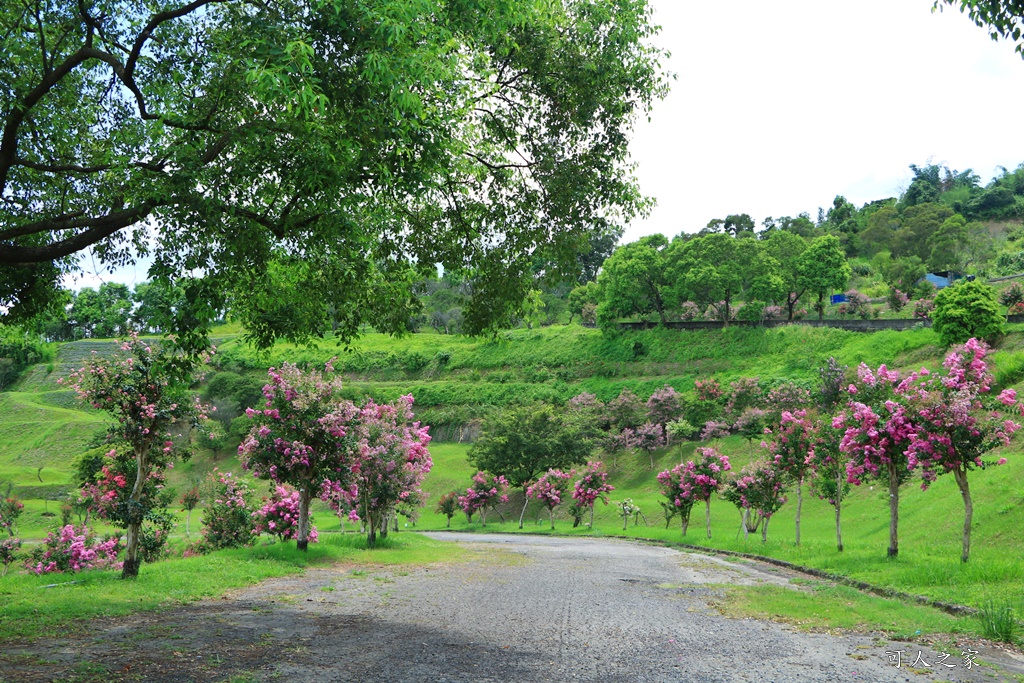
894, 510
746, 529
591, 517
799, 506
526, 501
839, 505
551, 516
188, 521
684, 520
707, 515
764, 530
132, 561
960, 474
821, 306
302, 540
449, 525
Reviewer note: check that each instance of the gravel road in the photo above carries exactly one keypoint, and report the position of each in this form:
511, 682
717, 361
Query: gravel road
522, 609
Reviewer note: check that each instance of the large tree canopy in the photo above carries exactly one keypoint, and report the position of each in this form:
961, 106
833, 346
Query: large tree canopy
354, 144
1002, 18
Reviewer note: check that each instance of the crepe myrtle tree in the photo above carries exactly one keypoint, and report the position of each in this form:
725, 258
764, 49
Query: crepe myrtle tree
958, 422
144, 387
591, 487
301, 437
298, 152
878, 431
549, 490
792, 451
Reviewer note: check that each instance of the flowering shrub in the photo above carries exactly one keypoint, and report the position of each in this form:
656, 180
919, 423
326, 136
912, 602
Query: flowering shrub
279, 516
714, 430
72, 549
155, 534
227, 519
897, 300
625, 411
788, 396
708, 390
708, 477
1012, 295
689, 311
9, 552
751, 424
550, 491
1016, 309
923, 308
448, 505
680, 430
486, 492
591, 486
857, 304
829, 464
743, 393
772, 313
10, 510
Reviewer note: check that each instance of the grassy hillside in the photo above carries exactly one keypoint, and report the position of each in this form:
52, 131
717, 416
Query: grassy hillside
41, 426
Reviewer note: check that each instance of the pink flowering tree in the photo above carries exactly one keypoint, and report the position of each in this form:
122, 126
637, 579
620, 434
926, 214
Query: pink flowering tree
649, 437
879, 431
189, 501
549, 490
301, 437
761, 488
227, 517
792, 451
279, 515
145, 388
735, 491
10, 510
486, 492
677, 485
392, 462
9, 548
708, 478
958, 422
591, 486
664, 406
829, 462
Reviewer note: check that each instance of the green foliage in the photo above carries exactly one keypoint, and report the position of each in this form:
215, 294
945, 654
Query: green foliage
965, 310
823, 268
999, 621
234, 135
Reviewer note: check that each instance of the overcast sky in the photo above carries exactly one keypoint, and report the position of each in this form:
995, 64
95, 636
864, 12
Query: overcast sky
780, 106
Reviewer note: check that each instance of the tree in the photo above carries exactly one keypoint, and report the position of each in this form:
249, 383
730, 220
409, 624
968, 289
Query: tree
302, 437
550, 490
714, 268
447, 504
706, 477
520, 443
382, 137
823, 269
829, 463
878, 432
486, 492
591, 487
957, 245
786, 248
144, 387
635, 281
957, 423
792, 452
1003, 18
967, 309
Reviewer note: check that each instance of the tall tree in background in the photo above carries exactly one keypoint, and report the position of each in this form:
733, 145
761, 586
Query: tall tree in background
355, 144
823, 269
787, 248
635, 280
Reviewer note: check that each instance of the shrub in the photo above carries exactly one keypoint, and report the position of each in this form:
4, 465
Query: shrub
1016, 309
858, 304
72, 549
897, 300
1014, 294
9, 552
689, 311
965, 310
227, 522
923, 308
448, 505
10, 510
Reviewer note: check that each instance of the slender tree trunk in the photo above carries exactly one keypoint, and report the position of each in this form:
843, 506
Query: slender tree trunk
449, 526
799, 505
370, 521
839, 505
894, 510
132, 561
965, 492
526, 501
551, 516
764, 530
188, 522
302, 540
591, 517
821, 306
746, 528
707, 515
684, 520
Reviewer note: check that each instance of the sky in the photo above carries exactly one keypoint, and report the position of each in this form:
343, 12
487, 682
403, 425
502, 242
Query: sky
777, 107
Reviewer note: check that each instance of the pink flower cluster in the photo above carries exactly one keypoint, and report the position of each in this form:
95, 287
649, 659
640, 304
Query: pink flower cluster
72, 549
550, 489
486, 491
592, 485
279, 516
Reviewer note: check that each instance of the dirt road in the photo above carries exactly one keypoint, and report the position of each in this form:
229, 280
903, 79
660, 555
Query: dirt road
523, 609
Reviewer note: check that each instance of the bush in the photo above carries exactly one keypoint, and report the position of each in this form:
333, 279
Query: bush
72, 549
897, 300
227, 522
1012, 295
279, 516
965, 310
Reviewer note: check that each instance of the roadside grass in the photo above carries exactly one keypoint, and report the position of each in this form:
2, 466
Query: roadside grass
31, 609
824, 607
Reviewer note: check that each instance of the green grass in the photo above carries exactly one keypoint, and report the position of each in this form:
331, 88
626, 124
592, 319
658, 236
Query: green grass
29, 609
